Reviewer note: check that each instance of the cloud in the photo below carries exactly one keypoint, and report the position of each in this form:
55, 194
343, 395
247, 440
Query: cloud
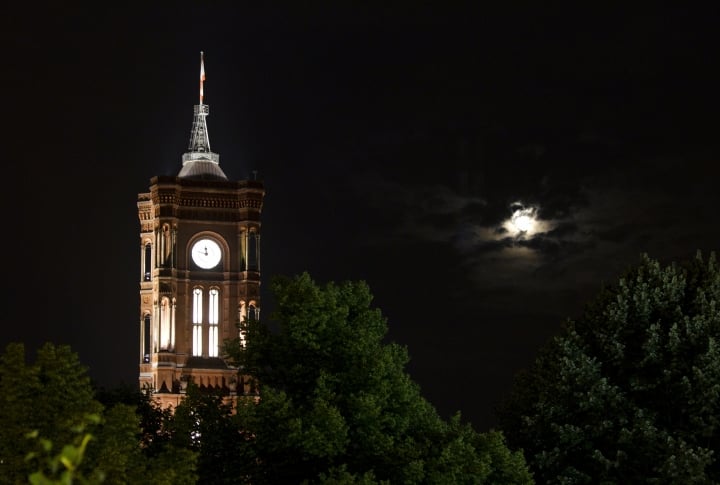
428, 213
589, 230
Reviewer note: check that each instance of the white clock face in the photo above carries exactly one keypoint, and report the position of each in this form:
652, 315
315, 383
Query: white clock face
206, 253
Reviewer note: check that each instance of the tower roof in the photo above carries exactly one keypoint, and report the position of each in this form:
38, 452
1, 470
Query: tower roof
199, 162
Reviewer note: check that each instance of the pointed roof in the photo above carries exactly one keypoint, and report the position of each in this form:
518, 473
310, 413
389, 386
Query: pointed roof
200, 162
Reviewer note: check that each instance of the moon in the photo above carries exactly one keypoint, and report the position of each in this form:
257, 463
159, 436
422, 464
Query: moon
523, 221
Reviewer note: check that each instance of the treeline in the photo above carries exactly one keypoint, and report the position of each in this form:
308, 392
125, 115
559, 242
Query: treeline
336, 407
628, 393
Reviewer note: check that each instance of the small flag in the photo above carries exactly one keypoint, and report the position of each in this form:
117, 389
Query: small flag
202, 76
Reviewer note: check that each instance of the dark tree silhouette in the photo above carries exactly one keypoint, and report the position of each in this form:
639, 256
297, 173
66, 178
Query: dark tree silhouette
336, 405
630, 392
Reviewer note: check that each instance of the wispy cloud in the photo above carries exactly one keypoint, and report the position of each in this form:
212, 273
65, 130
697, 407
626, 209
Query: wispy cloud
582, 236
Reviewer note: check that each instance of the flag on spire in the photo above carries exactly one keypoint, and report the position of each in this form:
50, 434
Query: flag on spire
202, 76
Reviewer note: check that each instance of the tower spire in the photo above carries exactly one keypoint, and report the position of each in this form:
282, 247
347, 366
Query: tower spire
202, 76
200, 162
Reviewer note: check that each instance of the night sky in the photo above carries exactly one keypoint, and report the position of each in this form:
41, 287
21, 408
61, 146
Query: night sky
395, 144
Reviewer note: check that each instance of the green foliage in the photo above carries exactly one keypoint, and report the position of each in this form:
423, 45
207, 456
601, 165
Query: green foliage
62, 468
338, 407
54, 431
630, 392
117, 452
204, 424
50, 398
135, 442
340, 476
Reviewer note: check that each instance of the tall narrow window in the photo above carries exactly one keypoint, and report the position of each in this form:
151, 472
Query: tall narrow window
243, 251
242, 320
253, 251
147, 267
166, 245
253, 313
197, 322
146, 339
213, 307
165, 335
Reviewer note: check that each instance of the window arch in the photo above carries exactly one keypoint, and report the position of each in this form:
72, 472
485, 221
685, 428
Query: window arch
147, 262
165, 322
197, 313
146, 322
166, 245
253, 312
209, 318
253, 251
213, 321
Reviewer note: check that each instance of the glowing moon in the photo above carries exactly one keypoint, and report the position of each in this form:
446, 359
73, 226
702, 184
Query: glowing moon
523, 221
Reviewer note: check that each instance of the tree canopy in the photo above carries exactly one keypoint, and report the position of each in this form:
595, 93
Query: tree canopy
336, 405
630, 391
54, 430
51, 397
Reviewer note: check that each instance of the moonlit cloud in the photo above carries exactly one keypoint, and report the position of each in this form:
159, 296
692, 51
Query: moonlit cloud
572, 239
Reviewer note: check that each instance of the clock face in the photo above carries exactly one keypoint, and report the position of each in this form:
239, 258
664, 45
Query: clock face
206, 253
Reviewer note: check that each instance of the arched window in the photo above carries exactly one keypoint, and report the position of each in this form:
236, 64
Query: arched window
253, 251
213, 310
165, 336
253, 313
147, 266
166, 245
242, 316
146, 339
197, 322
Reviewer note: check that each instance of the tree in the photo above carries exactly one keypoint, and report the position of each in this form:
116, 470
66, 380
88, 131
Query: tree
62, 468
54, 430
630, 392
51, 397
204, 423
135, 441
336, 405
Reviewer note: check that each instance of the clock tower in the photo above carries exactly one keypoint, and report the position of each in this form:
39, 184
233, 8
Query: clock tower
199, 270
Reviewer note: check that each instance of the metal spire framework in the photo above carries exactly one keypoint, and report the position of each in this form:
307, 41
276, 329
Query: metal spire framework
200, 162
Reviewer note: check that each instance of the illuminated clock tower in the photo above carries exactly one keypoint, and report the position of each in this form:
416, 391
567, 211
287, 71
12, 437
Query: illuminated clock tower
199, 270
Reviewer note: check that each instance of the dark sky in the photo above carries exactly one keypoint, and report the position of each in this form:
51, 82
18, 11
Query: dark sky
394, 143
